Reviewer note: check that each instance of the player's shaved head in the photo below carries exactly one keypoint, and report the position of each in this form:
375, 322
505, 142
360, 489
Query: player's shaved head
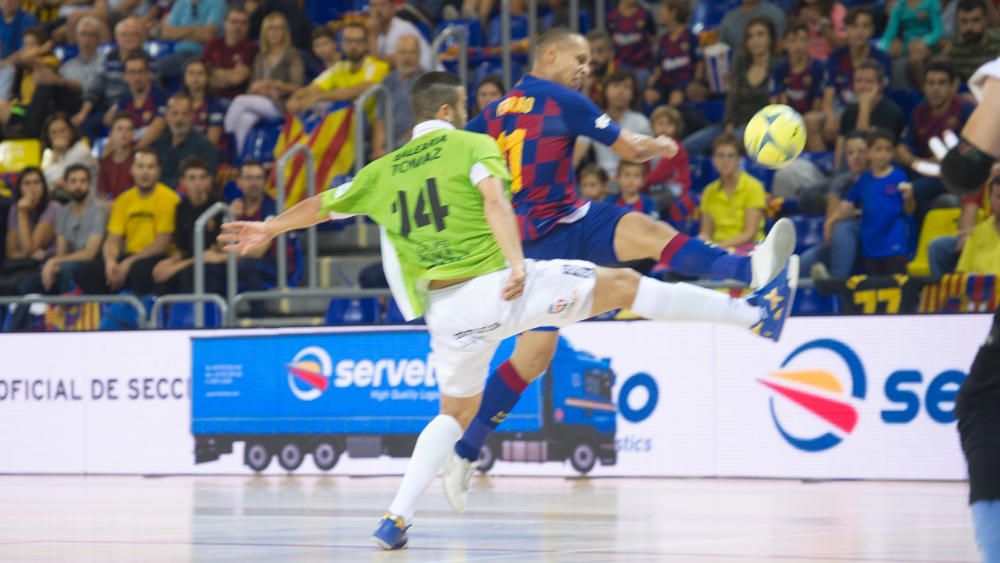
434, 90
562, 56
557, 37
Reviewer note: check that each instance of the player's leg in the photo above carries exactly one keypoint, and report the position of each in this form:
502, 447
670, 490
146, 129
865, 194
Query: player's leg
432, 448
639, 236
532, 355
459, 320
587, 291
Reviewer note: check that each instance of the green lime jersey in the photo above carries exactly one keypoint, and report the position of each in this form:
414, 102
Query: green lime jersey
428, 209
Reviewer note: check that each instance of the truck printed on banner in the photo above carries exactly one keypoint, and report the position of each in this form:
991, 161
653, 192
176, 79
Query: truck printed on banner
369, 394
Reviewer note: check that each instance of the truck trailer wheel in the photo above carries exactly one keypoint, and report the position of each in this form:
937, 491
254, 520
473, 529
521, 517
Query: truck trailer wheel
326, 455
583, 458
257, 456
290, 457
487, 458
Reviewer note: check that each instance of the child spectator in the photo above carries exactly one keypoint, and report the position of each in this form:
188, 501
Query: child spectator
825, 23
630, 178
677, 53
732, 207
981, 254
593, 182
208, 110
885, 199
324, 46
914, 29
798, 83
116, 163
633, 33
669, 184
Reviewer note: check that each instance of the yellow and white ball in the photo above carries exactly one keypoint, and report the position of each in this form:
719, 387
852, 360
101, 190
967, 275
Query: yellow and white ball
775, 136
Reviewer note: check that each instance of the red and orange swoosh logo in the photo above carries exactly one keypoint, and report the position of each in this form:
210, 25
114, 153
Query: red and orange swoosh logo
840, 414
309, 372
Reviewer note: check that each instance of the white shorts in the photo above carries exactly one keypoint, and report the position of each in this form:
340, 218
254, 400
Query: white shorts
978, 80
468, 321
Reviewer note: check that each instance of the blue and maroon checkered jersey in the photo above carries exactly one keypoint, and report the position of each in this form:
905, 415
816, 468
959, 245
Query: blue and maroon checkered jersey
143, 114
801, 89
840, 72
536, 125
924, 124
632, 36
678, 58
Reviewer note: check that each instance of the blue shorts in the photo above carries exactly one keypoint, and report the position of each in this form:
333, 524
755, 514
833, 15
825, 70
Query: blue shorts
592, 238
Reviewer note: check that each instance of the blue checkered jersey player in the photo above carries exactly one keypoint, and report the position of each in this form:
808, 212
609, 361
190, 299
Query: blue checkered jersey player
536, 125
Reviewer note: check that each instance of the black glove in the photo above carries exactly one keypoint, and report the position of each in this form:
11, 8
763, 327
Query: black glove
965, 168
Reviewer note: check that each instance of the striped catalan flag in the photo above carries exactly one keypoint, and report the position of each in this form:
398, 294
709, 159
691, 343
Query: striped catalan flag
63, 318
330, 138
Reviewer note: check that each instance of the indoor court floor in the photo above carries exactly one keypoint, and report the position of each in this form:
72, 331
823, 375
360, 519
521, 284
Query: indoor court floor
248, 519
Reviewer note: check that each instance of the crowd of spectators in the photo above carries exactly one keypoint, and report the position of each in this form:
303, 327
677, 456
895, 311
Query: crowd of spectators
143, 108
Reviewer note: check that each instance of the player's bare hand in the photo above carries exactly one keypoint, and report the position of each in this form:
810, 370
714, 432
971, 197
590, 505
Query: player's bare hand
668, 146
515, 283
244, 237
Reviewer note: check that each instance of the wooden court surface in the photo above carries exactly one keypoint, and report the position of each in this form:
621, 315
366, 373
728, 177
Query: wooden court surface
248, 519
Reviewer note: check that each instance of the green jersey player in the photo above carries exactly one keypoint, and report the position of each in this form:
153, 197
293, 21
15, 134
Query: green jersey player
451, 250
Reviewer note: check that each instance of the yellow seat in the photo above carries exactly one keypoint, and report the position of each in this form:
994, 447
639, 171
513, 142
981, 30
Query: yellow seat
18, 154
937, 223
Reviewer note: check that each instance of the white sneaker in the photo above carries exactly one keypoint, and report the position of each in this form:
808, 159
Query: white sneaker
455, 476
771, 255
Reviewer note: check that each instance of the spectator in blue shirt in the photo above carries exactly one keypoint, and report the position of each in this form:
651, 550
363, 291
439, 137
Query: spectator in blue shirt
192, 24
885, 199
13, 22
631, 177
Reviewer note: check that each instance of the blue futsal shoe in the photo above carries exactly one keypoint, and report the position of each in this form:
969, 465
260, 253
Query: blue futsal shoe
391, 532
775, 300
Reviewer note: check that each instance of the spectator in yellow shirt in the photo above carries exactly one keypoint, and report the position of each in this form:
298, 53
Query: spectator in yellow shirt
139, 233
345, 80
732, 207
981, 254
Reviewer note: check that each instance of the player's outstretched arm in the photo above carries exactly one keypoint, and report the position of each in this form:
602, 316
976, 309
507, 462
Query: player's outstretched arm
636, 147
246, 236
503, 223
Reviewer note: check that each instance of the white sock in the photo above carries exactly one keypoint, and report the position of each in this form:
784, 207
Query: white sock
685, 302
435, 442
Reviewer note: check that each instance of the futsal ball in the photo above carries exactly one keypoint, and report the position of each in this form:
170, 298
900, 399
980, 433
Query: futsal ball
775, 136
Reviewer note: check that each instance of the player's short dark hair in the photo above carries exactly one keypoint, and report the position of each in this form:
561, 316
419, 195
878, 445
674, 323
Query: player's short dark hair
971, 6
593, 170
554, 36
872, 64
431, 91
854, 13
194, 162
72, 168
880, 133
324, 31
943, 66
727, 139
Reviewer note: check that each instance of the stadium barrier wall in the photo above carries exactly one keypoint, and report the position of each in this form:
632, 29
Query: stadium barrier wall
839, 397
